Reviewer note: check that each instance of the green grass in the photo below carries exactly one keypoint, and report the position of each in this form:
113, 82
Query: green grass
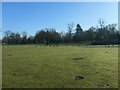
32, 66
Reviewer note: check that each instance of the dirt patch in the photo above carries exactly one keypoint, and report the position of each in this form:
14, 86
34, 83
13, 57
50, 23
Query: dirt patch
77, 58
9, 55
79, 77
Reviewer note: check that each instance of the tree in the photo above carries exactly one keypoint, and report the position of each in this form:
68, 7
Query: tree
78, 36
30, 40
70, 29
78, 29
40, 37
113, 33
100, 33
11, 38
103, 34
90, 34
17, 38
101, 23
24, 38
48, 35
6, 38
54, 37
106, 34
69, 35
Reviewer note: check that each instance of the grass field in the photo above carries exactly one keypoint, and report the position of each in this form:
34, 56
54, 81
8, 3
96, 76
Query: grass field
33, 66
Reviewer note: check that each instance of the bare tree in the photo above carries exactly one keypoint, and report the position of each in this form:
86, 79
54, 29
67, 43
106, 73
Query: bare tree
101, 23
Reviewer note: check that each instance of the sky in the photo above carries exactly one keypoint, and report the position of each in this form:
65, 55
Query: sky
60, 0
34, 16
0, 14
119, 16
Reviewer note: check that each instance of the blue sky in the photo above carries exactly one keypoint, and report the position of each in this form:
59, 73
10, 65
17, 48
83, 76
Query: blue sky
31, 16
0, 14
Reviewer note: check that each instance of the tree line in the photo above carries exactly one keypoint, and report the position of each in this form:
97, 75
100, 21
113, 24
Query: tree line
101, 35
